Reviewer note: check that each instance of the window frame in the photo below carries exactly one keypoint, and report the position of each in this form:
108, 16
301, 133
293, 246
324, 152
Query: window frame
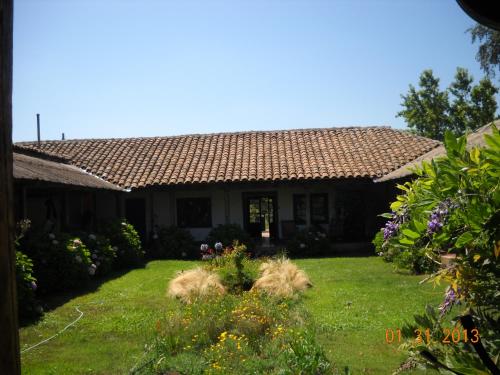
295, 199
180, 207
326, 208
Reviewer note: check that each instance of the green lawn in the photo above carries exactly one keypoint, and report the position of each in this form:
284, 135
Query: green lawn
354, 300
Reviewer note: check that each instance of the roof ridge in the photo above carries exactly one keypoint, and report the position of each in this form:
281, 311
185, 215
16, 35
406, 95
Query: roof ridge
336, 128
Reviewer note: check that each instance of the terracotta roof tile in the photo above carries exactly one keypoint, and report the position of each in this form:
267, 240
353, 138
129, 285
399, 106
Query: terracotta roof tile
329, 153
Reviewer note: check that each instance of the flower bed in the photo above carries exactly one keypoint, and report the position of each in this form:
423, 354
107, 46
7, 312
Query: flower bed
236, 316
236, 334
48, 262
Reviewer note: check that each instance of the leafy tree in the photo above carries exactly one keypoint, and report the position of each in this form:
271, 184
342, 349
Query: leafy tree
429, 111
488, 54
452, 210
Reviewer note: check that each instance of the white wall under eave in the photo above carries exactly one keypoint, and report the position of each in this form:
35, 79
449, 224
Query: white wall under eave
227, 202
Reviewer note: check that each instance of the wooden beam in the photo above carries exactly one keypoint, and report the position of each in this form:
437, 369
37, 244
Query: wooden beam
9, 337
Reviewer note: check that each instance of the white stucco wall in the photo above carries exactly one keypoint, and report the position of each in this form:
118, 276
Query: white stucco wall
161, 204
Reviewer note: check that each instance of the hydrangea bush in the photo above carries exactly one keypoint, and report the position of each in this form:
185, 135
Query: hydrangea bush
102, 254
452, 208
172, 242
62, 262
125, 242
309, 242
28, 306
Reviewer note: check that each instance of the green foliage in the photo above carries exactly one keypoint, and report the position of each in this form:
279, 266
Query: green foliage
378, 241
457, 354
61, 262
172, 243
28, 306
237, 271
429, 111
227, 234
250, 333
488, 54
453, 208
309, 242
103, 255
126, 242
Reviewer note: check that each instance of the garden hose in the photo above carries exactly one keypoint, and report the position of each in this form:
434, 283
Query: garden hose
57, 334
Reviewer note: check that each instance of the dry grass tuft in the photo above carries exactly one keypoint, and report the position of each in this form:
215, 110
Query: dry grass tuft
282, 278
189, 285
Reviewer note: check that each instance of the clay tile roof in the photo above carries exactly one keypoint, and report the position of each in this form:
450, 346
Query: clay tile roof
305, 154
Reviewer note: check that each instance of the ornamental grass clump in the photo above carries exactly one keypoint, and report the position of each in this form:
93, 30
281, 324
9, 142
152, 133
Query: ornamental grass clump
192, 284
281, 278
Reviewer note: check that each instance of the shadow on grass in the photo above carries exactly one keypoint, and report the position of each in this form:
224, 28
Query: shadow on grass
50, 302
341, 250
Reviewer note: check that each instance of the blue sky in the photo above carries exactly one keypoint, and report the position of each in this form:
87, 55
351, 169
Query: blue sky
98, 69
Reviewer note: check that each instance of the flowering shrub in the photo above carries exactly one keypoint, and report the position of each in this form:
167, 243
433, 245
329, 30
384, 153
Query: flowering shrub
125, 242
237, 271
250, 333
207, 253
102, 254
309, 242
61, 262
26, 286
228, 233
28, 306
453, 208
172, 243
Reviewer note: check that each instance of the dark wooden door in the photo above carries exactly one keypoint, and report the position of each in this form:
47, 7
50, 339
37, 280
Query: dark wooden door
260, 214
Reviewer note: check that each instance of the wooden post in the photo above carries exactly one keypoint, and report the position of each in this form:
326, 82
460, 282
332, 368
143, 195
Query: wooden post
24, 202
9, 338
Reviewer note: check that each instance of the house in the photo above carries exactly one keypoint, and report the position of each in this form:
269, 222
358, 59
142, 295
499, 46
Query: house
269, 182
404, 172
59, 196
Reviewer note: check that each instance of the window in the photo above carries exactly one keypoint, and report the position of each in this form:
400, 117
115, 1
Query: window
299, 209
194, 213
319, 208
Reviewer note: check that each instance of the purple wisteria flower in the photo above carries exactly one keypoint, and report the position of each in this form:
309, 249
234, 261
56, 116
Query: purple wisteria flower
33, 285
390, 229
439, 216
392, 226
450, 298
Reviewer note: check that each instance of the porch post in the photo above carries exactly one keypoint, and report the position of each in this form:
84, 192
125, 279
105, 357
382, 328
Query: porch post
9, 337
